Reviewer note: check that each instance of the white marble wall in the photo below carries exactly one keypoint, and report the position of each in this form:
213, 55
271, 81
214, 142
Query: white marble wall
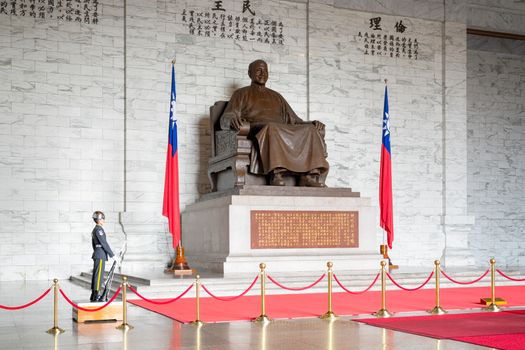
428, 10
347, 94
84, 109
61, 143
496, 134
497, 15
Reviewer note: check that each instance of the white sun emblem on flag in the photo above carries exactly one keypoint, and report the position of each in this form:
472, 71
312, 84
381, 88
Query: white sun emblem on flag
172, 112
386, 125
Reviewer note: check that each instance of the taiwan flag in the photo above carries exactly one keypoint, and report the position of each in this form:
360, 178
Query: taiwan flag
385, 179
171, 206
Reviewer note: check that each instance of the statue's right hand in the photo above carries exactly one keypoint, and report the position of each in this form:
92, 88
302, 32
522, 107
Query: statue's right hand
236, 123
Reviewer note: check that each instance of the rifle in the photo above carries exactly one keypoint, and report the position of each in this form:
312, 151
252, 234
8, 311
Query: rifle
109, 279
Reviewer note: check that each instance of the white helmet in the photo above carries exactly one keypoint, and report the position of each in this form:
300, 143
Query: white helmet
98, 215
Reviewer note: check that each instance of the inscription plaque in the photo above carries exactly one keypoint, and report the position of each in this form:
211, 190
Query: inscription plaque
304, 229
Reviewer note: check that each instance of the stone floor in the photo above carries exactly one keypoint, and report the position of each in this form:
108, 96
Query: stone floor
26, 329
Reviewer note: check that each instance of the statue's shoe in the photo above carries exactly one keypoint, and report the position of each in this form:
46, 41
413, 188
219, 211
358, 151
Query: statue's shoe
277, 180
311, 181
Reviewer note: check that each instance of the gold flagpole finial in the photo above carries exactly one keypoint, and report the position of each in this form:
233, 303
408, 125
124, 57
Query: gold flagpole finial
173, 61
386, 81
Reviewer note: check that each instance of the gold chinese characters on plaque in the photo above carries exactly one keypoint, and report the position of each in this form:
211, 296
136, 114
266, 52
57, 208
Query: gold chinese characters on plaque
304, 229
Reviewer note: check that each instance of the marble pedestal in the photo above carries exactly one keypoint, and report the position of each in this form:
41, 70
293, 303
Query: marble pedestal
216, 231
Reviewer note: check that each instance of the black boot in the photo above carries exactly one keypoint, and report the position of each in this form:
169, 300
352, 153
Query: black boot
93, 296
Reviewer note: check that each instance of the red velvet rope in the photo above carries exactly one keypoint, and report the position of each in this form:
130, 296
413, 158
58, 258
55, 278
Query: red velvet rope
458, 282
510, 278
161, 302
90, 310
409, 289
297, 289
361, 292
28, 304
230, 298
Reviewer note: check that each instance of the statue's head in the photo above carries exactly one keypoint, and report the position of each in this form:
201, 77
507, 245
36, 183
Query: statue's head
258, 72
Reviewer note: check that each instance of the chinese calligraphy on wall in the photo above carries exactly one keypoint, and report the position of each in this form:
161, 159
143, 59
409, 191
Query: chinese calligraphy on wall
82, 11
218, 23
377, 40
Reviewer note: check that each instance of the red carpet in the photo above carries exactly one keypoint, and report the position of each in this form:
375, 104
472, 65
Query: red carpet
503, 330
499, 341
313, 305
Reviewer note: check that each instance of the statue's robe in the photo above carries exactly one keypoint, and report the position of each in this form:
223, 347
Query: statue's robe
281, 139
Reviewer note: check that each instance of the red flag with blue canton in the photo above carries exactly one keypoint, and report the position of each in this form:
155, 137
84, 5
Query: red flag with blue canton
385, 179
171, 206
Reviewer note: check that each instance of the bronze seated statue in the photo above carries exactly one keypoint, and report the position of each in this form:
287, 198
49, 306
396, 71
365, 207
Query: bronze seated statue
257, 139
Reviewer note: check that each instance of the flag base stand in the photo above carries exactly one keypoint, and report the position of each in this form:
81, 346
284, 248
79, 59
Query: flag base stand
383, 249
180, 270
186, 272
179, 265
392, 266
497, 301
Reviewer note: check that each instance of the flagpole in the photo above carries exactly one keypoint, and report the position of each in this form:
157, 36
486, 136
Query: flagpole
383, 248
179, 265
385, 253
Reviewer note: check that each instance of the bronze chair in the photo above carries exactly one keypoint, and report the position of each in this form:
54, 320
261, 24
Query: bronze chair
230, 155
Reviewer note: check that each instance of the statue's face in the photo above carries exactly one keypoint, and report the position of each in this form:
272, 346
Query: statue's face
259, 73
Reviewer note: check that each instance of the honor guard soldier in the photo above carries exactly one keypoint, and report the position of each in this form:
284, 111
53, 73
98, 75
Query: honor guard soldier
101, 250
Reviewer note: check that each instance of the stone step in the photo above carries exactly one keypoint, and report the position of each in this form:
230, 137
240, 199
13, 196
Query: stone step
117, 277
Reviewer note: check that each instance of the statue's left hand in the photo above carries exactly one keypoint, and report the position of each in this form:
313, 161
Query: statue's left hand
318, 125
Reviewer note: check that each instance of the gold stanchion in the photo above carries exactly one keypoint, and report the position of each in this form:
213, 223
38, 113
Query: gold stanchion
55, 341
124, 326
329, 315
198, 345
383, 312
263, 318
330, 345
264, 338
492, 307
55, 329
197, 321
125, 339
437, 310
